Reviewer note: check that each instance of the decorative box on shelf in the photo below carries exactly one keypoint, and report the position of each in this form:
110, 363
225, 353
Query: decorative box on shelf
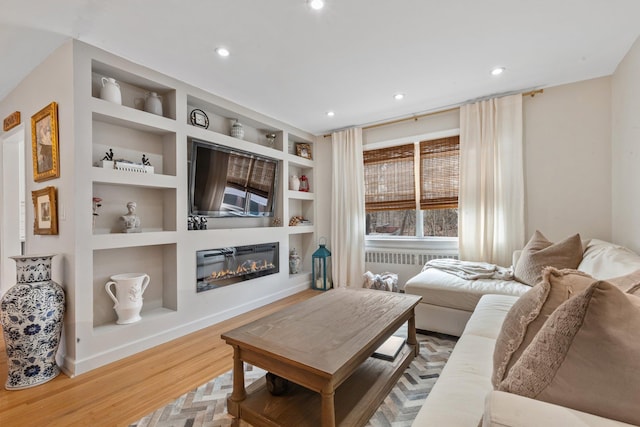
124, 165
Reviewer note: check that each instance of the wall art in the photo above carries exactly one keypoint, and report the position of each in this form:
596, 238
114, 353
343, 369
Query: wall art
45, 209
44, 141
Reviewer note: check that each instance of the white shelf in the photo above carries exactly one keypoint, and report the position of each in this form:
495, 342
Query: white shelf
108, 112
117, 177
299, 161
148, 317
300, 195
301, 229
129, 240
231, 142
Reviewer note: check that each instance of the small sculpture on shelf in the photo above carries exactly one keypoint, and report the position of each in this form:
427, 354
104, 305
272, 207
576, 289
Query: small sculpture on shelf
131, 221
96, 205
237, 131
108, 155
277, 222
145, 160
298, 220
271, 138
196, 222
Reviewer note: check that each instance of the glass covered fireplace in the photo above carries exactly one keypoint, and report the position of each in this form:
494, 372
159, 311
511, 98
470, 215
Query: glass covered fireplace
226, 266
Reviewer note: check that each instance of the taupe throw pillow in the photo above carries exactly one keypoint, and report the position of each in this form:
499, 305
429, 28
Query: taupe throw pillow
586, 356
527, 315
540, 252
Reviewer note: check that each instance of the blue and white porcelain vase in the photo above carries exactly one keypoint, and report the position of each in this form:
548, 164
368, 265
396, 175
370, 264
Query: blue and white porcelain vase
31, 314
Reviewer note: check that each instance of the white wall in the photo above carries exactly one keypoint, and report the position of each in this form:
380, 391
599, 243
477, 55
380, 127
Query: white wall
567, 157
50, 81
567, 160
625, 109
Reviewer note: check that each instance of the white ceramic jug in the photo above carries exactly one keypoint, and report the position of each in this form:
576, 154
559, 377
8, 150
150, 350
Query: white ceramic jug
153, 103
294, 183
128, 295
110, 90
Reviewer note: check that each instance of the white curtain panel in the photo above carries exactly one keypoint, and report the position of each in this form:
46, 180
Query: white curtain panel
347, 209
491, 199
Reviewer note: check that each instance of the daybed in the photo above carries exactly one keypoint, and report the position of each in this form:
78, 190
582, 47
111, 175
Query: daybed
464, 394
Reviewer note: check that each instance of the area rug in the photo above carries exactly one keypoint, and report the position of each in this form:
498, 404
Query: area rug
206, 405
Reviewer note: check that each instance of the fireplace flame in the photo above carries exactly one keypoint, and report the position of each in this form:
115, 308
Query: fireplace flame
246, 267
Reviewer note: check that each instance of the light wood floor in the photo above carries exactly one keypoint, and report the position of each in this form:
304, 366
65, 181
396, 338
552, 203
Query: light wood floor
125, 391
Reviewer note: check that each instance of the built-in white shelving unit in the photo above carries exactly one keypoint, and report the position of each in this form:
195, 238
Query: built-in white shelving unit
165, 249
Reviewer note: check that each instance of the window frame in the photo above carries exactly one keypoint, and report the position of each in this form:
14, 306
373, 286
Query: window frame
413, 242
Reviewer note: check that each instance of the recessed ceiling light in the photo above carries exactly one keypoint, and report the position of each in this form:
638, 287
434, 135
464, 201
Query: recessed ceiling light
398, 96
316, 4
330, 113
497, 71
222, 51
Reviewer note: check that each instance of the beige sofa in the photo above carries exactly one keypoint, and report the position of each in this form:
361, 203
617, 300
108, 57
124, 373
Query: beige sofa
448, 300
463, 394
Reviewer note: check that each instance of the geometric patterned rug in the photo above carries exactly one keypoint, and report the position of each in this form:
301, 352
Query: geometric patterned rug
206, 405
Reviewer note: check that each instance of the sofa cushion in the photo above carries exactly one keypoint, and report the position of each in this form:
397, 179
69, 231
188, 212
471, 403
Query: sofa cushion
508, 409
540, 252
604, 260
629, 283
442, 289
457, 398
586, 356
528, 314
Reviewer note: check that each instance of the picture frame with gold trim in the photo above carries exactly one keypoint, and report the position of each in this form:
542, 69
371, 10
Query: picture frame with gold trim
44, 143
45, 208
304, 150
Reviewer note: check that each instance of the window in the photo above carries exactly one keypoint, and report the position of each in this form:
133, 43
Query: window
412, 189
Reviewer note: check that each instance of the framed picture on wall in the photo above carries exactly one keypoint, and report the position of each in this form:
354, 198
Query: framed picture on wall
303, 150
45, 211
44, 142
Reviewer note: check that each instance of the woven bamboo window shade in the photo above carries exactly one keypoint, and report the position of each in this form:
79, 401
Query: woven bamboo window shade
439, 173
389, 178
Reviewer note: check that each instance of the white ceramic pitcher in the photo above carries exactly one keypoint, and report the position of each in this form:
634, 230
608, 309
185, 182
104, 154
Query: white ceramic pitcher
128, 295
153, 103
110, 90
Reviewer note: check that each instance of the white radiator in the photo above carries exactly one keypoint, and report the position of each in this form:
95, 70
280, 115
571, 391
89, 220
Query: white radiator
405, 263
403, 258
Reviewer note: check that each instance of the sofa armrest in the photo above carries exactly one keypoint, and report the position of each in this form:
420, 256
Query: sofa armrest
507, 409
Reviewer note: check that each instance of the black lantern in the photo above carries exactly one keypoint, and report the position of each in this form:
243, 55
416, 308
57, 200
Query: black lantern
320, 266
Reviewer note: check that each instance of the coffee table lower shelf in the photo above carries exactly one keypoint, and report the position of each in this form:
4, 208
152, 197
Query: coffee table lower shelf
356, 400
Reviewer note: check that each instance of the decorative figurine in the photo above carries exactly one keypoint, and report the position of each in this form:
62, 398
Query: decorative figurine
145, 160
131, 222
237, 130
96, 205
108, 155
271, 138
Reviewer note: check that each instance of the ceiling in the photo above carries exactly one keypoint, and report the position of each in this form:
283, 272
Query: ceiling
295, 64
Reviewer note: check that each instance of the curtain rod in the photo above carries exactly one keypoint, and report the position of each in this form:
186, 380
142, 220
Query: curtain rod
530, 93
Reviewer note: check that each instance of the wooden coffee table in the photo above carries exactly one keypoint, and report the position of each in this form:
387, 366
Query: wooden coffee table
323, 345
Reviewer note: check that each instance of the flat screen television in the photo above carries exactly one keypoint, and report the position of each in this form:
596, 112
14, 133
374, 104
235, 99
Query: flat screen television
225, 182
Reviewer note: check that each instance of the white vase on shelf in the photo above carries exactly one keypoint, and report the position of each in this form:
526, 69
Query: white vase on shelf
128, 295
237, 131
294, 183
110, 90
153, 103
